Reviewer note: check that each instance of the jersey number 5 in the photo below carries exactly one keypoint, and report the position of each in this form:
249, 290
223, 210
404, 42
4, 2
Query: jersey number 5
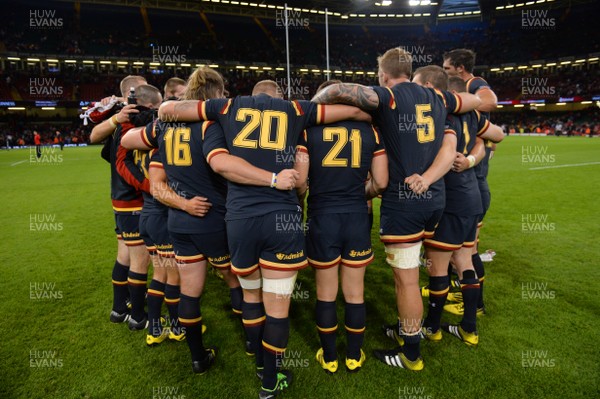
425, 126
331, 159
263, 120
177, 143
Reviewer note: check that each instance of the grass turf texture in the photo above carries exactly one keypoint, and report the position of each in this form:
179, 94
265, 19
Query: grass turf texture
554, 332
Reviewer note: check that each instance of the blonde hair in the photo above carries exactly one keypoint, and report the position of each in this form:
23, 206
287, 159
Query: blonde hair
433, 74
269, 87
204, 83
171, 86
396, 62
131, 81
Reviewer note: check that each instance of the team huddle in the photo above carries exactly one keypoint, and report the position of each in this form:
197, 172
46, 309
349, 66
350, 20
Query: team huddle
203, 179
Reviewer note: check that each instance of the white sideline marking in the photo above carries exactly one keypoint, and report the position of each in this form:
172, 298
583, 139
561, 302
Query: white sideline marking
565, 166
16, 163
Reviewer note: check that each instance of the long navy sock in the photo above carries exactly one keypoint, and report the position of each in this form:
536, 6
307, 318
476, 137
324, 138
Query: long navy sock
172, 301
156, 295
480, 270
137, 293
469, 286
412, 346
355, 320
120, 287
438, 292
275, 340
253, 319
327, 326
190, 317
237, 297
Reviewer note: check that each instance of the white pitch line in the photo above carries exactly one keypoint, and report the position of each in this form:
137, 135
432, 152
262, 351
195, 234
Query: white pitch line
565, 166
16, 163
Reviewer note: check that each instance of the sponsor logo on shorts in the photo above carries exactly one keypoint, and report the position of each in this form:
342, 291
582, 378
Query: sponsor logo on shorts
130, 235
365, 252
295, 255
220, 259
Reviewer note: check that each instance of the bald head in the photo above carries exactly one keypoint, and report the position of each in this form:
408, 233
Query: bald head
268, 87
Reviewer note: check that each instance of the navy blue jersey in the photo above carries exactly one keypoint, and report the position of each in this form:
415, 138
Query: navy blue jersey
482, 168
189, 175
143, 160
264, 131
149, 134
411, 120
126, 181
340, 159
476, 83
462, 191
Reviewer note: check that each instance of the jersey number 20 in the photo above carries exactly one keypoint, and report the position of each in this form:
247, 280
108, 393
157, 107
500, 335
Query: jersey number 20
263, 120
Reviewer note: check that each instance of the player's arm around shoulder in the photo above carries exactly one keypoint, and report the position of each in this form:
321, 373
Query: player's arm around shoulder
489, 101
468, 102
360, 96
132, 140
180, 111
493, 133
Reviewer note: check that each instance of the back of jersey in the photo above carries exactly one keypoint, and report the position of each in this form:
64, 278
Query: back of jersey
411, 119
340, 158
264, 131
189, 175
462, 192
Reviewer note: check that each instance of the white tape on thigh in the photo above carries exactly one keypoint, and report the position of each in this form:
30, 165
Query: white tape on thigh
279, 286
403, 258
248, 284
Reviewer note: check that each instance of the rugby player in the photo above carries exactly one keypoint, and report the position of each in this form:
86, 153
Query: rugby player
257, 128
454, 236
193, 184
174, 89
127, 202
460, 62
411, 120
165, 277
337, 158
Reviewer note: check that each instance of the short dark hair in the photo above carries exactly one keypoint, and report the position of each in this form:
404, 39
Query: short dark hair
148, 94
435, 75
461, 57
457, 84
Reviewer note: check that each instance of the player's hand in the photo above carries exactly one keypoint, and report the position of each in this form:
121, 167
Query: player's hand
417, 183
286, 179
461, 163
123, 116
106, 100
197, 206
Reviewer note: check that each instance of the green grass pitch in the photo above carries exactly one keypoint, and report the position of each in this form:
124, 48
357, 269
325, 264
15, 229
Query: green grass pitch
538, 340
